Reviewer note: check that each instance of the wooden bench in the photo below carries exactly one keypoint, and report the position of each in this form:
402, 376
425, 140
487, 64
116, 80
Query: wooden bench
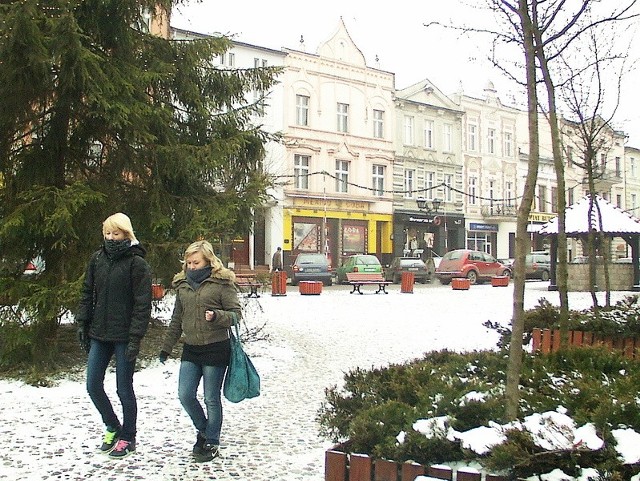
358, 279
248, 281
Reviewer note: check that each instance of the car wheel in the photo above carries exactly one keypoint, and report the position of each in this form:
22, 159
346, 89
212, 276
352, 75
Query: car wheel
472, 276
507, 273
545, 276
328, 282
396, 279
294, 281
444, 282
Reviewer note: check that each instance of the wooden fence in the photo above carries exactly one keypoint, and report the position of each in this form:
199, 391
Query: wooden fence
341, 466
548, 340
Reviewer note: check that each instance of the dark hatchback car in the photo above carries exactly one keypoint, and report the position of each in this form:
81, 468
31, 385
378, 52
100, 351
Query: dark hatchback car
311, 267
476, 266
414, 265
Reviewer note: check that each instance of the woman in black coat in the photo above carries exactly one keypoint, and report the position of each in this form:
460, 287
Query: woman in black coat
113, 316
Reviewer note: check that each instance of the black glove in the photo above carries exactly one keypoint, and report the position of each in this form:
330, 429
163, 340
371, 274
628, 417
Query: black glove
133, 348
83, 339
163, 356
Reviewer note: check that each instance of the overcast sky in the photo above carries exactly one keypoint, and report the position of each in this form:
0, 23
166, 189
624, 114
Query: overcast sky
394, 33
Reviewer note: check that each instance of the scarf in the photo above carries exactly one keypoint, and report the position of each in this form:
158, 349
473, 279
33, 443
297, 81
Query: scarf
196, 276
116, 248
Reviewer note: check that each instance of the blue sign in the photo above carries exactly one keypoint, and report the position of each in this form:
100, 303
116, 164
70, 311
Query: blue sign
483, 227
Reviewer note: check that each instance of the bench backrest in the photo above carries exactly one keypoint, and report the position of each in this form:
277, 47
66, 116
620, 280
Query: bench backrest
364, 276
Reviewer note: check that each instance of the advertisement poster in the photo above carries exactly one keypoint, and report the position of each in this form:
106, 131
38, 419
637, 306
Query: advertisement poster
305, 237
353, 237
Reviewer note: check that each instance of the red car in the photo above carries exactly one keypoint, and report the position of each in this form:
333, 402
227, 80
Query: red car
476, 266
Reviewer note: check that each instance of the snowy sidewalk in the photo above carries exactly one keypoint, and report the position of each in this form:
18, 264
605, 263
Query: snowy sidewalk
52, 433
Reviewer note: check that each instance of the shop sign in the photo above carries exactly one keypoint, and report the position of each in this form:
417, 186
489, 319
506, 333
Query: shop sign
336, 204
541, 217
483, 227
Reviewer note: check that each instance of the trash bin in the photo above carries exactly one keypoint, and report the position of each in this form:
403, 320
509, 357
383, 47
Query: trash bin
279, 283
407, 281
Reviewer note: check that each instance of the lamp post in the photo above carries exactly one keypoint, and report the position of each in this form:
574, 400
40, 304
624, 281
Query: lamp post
432, 208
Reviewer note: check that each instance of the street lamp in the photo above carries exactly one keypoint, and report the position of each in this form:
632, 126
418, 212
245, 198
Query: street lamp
423, 204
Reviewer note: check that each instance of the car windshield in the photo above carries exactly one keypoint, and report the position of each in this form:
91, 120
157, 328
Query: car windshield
453, 255
411, 262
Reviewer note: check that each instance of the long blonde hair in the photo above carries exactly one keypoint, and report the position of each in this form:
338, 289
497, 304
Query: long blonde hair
217, 268
121, 222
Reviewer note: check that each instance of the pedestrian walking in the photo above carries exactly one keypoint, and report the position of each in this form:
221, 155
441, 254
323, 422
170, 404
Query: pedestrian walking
206, 299
113, 315
276, 261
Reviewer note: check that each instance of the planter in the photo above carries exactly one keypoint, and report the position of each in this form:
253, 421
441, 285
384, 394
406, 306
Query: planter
500, 281
310, 288
157, 292
548, 340
341, 466
460, 283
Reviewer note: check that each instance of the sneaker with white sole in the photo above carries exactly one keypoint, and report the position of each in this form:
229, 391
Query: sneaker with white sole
109, 440
123, 449
209, 451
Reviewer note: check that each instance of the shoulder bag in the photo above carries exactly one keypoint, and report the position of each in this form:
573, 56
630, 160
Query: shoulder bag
241, 380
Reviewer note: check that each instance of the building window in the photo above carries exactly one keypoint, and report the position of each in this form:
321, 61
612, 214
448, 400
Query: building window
491, 141
342, 176
542, 198
302, 110
473, 190
634, 203
428, 134
569, 155
618, 167
473, 132
146, 20
408, 130
343, 117
409, 177
378, 180
231, 59
429, 183
446, 137
264, 63
619, 201
508, 190
603, 162
301, 171
378, 124
508, 144
448, 193
256, 63
554, 199
633, 167
570, 196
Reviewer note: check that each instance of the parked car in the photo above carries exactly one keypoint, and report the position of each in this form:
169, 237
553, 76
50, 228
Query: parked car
538, 265
414, 265
476, 266
311, 267
358, 263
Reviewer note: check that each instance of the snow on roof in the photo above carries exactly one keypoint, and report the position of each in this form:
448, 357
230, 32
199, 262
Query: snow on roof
578, 221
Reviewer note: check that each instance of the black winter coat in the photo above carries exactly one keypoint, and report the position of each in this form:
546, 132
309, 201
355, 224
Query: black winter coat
116, 296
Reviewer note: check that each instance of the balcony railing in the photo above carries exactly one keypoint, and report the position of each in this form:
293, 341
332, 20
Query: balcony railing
499, 210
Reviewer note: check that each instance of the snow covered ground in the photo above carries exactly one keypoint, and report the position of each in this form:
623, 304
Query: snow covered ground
52, 433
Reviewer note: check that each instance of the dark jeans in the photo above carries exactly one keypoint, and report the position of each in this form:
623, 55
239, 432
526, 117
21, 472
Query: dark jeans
188, 381
99, 356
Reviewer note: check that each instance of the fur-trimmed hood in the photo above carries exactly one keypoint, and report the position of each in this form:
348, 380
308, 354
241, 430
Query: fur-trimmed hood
218, 271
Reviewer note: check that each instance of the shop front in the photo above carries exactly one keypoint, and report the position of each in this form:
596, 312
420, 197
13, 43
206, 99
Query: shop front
483, 237
424, 235
338, 228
